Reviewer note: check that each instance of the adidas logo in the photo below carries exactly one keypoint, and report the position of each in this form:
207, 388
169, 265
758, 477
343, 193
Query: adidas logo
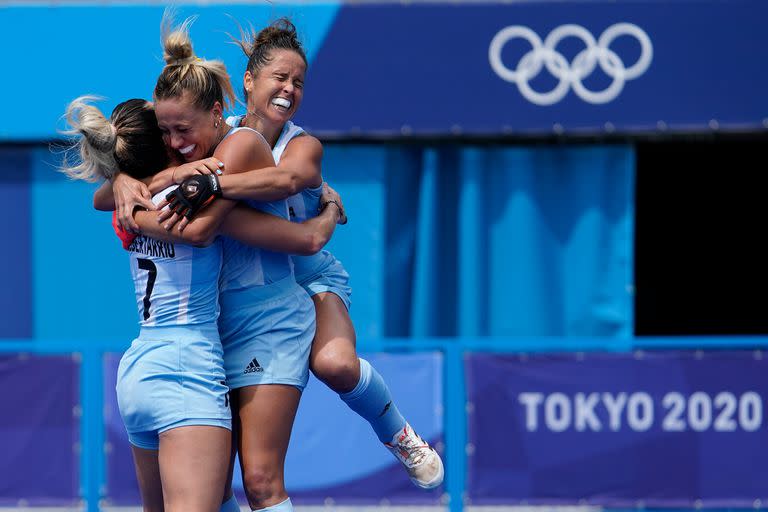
253, 366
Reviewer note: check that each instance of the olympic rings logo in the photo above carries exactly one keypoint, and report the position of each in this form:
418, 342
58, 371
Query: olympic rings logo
570, 74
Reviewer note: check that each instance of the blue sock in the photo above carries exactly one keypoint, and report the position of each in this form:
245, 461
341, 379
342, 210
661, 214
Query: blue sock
372, 400
283, 506
231, 505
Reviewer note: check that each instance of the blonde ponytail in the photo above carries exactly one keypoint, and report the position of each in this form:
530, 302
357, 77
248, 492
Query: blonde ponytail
91, 156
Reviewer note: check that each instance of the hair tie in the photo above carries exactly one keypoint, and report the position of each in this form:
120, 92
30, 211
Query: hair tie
182, 62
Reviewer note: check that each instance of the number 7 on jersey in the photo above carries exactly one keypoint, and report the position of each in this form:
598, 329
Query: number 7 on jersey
149, 266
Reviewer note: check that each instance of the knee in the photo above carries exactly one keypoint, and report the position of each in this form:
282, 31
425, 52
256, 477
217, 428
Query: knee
340, 372
263, 487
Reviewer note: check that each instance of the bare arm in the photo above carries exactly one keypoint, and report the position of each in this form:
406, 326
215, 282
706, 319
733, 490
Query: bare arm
278, 234
110, 193
299, 168
123, 194
243, 150
253, 227
200, 232
103, 198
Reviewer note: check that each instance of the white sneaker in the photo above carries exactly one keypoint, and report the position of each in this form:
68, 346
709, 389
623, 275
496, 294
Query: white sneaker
422, 462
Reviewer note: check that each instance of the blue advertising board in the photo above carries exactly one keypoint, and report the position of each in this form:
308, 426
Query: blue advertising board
360, 471
39, 431
392, 69
660, 429
542, 68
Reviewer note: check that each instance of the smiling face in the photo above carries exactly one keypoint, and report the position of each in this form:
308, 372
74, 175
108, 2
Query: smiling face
275, 92
188, 129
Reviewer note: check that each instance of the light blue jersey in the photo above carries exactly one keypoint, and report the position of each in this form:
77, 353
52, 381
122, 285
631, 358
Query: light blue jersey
320, 272
267, 320
175, 284
173, 373
246, 267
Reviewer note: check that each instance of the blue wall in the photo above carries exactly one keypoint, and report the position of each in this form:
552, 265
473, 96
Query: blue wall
67, 51
442, 241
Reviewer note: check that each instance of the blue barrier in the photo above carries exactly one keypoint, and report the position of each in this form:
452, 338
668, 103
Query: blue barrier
92, 437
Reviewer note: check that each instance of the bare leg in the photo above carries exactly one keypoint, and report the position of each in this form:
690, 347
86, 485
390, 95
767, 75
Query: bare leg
334, 359
266, 415
193, 467
234, 405
148, 476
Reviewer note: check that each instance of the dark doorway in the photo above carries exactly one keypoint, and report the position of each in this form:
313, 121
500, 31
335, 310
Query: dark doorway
701, 258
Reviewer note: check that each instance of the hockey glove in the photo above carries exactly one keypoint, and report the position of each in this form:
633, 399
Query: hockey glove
194, 194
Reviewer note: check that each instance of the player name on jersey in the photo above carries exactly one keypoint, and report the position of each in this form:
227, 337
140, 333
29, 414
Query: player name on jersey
152, 247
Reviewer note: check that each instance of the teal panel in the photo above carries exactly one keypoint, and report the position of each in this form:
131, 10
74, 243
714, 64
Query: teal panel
561, 241
357, 173
62, 52
82, 286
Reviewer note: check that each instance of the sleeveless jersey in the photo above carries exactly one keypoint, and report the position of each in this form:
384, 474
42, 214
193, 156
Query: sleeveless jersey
245, 267
176, 285
301, 206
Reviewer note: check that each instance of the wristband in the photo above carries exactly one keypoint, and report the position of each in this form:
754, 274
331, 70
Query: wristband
342, 216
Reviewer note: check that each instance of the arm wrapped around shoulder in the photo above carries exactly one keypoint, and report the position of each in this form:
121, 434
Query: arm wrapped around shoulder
194, 194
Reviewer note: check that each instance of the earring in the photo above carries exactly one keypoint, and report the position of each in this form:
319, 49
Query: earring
216, 124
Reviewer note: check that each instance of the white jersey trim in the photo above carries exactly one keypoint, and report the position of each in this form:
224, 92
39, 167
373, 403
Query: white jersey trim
290, 131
